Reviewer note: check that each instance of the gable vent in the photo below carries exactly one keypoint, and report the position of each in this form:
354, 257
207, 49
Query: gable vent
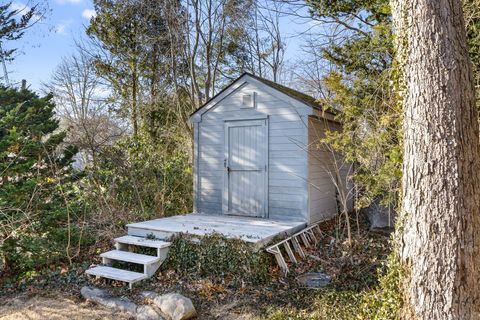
248, 100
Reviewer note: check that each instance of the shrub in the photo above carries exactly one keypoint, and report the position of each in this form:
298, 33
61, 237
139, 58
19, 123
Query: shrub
142, 177
383, 303
38, 202
230, 261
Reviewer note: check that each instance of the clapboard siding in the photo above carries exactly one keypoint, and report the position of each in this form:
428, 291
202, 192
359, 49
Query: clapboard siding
296, 168
292, 183
285, 213
285, 154
213, 173
291, 162
286, 126
286, 190
213, 197
209, 207
208, 182
281, 132
299, 187
291, 196
324, 199
326, 187
285, 147
322, 190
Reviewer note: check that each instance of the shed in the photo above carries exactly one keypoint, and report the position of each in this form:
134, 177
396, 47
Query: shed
257, 154
259, 173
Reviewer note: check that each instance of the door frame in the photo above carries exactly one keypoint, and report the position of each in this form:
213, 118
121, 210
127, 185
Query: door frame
231, 123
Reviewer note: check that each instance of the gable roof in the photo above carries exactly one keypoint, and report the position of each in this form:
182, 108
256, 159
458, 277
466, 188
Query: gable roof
297, 95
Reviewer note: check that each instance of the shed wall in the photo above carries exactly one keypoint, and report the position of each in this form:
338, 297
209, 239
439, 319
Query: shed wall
287, 140
328, 173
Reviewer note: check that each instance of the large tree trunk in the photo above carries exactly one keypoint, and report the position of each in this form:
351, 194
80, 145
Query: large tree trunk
440, 235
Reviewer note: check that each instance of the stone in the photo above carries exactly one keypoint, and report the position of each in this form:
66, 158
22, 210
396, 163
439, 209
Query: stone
175, 306
104, 298
381, 218
147, 312
148, 295
314, 279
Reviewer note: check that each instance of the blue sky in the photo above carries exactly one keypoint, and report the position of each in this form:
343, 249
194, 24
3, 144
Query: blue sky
44, 45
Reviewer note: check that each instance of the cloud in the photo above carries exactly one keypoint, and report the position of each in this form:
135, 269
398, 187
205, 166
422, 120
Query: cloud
68, 1
89, 13
62, 27
22, 9
19, 7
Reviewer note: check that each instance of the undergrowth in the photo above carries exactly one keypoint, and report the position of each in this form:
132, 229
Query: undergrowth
365, 280
226, 278
229, 261
381, 302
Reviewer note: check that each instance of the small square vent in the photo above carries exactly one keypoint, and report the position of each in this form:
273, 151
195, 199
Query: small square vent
248, 100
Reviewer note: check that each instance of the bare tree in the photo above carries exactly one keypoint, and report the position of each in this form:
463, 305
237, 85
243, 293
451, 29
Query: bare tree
274, 55
265, 42
200, 32
311, 69
80, 98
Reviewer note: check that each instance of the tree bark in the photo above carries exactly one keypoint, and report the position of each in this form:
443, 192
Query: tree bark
439, 230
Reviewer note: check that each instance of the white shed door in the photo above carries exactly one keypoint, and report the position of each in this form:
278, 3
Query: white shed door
246, 154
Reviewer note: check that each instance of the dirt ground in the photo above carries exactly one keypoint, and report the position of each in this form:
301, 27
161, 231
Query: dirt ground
60, 307
54, 308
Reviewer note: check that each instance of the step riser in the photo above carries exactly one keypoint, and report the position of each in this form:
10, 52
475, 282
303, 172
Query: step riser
150, 269
121, 246
162, 253
107, 262
139, 232
142, 242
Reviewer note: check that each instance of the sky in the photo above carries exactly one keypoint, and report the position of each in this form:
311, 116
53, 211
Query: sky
46, 43
43, 46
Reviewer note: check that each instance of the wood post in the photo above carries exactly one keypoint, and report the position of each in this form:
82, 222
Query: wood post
298, 247
289, 251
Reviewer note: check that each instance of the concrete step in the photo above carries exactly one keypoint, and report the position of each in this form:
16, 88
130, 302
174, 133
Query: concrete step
116, 274
130, 257
143, 242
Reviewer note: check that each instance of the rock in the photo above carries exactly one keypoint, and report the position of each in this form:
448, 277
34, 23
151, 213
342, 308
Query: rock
104, 298
381, 218
314, 279
90, 293
149, 295
175, 306
147, 313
